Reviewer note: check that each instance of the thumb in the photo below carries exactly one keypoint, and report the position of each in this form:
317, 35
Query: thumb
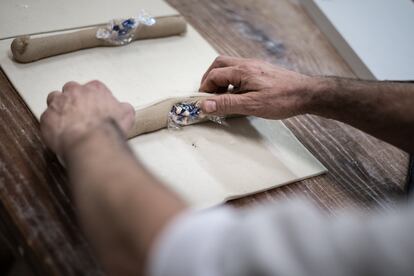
224, 104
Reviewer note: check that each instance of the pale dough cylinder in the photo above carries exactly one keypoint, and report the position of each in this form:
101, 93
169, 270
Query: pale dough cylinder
155, 116
26, 49
18, 17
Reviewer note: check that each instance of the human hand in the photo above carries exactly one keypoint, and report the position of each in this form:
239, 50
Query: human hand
78, 109
263, 90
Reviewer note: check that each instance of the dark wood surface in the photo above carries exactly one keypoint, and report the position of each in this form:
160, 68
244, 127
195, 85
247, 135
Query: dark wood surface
38, 216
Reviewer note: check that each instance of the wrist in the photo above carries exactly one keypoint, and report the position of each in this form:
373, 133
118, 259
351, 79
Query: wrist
77, 139
322, 95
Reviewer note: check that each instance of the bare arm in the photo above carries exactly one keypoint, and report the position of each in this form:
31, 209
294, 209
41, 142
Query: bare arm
383, 109
121, 206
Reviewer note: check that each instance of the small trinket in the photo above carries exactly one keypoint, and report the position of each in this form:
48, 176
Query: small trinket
183, 114
121, 31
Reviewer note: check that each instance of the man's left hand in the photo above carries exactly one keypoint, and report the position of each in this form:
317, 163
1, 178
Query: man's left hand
78, 109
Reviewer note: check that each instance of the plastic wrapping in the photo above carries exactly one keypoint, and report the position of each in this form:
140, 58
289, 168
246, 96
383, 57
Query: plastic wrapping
121, 31
183, 114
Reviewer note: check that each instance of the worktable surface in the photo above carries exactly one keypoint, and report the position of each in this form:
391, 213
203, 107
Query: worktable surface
37, 212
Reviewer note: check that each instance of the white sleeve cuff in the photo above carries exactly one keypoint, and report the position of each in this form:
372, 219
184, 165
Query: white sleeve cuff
188, 245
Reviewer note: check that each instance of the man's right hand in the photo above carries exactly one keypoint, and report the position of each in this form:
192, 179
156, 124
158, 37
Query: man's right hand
383, 109
263, 90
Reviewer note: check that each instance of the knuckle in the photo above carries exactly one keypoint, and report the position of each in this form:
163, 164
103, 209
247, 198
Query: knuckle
69, 86
221, 60
51, 96
210, 81
129, 109
96, 84
131, 113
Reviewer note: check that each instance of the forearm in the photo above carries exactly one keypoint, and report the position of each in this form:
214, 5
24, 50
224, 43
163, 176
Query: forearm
122, 207
382, 109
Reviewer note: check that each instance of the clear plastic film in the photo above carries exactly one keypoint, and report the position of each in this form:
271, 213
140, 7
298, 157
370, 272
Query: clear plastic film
121, 31
187, 113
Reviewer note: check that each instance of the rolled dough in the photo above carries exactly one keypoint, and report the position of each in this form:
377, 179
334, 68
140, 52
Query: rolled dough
154, 116
26, 49
25, 17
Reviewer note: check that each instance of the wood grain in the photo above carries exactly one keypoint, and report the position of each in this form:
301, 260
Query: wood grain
36, 207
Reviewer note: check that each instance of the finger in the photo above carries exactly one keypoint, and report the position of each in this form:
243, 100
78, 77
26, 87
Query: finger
226, 104
43, 117
128, 118
52, 96
48, 125
58, 102
95, 84
128, 109
220, 62
220, 78
98, 86
70, 85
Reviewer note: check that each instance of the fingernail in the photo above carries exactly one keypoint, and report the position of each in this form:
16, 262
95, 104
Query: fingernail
210, 106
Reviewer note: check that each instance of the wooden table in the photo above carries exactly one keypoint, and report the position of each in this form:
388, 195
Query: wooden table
38, 215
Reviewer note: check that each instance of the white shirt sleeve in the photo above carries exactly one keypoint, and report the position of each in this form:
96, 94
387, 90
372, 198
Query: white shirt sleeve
288, 238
